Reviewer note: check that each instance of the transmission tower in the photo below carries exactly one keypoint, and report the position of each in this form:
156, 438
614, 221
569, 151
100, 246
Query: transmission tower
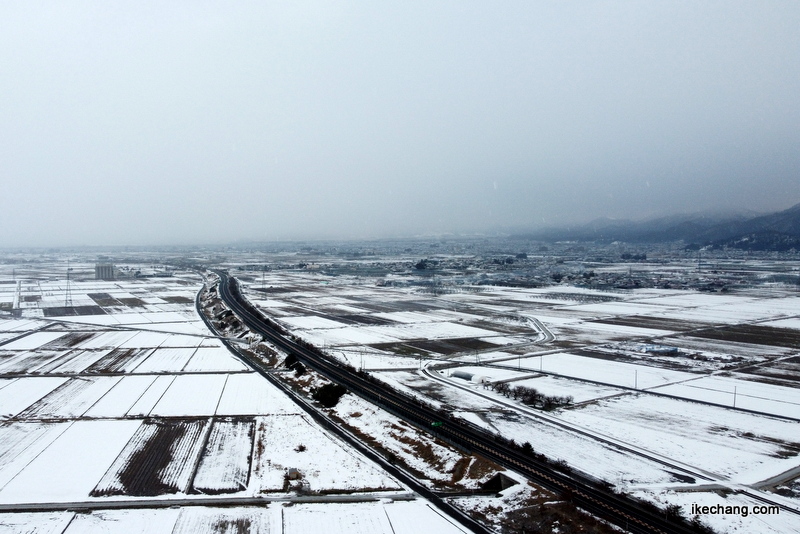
68, 295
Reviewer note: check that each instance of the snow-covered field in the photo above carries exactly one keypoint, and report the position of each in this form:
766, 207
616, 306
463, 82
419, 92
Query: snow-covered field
618, 328
749, 395
291, 441
383, 517
742, 448
162, 409
89, 396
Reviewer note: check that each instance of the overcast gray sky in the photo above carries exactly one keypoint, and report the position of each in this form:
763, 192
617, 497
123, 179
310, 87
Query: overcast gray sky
197, 122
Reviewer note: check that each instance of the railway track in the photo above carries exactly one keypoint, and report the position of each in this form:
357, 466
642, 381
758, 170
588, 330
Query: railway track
587, 494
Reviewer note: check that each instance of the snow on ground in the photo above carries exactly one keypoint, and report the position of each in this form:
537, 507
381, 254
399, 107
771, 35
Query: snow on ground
20, 325
401, 517
291, 441
768, 398
251, 394
549, 385
437, 330
151, 396
35, 523
33, 341
217, 359
187, 326
140, 521
131, 474
225, 465
411, 383
95, 320
623, 331
793, 323
309, 322
23, 392
609, 372
20, 443
166, 360
72, 398
145, 340
121, 397
79, 361
367, 335
417, 449
349, 335
208, 520
191, 395
26, 361
582, 453
731, 523
743, 447
382, 517
181, 340
50, 477
372, 359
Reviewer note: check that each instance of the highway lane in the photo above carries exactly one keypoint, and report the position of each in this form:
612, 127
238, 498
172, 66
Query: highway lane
587, 494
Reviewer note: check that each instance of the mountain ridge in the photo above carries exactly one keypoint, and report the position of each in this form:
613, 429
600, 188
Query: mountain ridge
773, 231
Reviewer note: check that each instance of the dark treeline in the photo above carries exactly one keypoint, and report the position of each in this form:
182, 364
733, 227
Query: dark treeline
531, 396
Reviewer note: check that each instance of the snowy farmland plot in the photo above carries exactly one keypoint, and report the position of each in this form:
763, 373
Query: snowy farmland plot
123, 394
116, 390
291, 441
669, 388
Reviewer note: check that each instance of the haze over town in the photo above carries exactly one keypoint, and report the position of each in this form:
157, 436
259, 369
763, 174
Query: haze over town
147, 123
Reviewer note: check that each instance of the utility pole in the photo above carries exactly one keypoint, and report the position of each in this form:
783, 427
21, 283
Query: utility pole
734, 396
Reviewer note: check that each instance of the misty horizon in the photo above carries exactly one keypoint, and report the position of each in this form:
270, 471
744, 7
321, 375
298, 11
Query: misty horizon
151, 124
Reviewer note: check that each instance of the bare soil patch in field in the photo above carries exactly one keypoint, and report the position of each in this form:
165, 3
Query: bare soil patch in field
655, 323
788, 370
117, 360
753, 334
177, 300
68, 341
132, 302
452, 346
401, 349
104, 299
62, 311
354, 318
159, 459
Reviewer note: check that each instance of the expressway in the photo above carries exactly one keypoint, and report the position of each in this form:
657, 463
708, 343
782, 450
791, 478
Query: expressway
587, 494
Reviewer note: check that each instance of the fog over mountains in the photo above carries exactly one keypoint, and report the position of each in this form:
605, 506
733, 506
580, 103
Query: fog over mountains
747, 231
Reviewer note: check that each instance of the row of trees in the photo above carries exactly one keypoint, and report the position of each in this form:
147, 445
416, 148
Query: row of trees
531, 396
